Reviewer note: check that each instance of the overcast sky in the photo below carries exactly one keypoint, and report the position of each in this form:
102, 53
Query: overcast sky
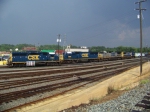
109, 23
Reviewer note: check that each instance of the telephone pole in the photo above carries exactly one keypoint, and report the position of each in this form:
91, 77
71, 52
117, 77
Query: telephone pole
64, 44
58, 41
140, 16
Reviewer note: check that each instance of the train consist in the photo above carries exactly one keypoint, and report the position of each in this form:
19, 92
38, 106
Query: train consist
34, 58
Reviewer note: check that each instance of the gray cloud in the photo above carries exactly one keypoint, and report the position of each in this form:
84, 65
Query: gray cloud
86, 22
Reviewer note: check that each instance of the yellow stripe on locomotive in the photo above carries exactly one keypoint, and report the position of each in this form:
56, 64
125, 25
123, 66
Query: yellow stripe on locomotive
61, 57
9, 61
100, 55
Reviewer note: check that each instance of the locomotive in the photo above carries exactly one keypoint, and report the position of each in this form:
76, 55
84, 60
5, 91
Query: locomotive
35, 58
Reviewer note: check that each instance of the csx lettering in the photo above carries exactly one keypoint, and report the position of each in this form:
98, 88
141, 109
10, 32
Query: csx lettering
84, 55
33, 57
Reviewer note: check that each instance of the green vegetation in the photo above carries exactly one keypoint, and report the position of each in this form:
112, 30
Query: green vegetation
118, 49
145, 81
7, 47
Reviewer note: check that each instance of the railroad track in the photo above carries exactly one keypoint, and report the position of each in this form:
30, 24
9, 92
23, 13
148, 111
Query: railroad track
4, 69
144, 105
29, 73
30, 86
54, 77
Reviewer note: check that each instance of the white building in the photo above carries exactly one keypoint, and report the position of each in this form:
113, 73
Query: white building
82, 49
139, 54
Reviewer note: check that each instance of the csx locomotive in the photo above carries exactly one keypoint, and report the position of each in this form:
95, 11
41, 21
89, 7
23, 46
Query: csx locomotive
34, 58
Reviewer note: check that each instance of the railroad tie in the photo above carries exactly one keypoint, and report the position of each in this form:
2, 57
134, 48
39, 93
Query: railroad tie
144, 104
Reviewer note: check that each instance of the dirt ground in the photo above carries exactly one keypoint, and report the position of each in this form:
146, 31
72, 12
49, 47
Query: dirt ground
121, 83
95, 101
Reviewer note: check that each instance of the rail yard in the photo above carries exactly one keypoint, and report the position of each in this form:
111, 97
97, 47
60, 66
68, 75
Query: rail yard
74, 56
27, 85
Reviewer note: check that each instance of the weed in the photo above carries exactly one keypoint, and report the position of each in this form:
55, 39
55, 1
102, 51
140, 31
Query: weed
127, 88
145, 81
94, 99
110, 89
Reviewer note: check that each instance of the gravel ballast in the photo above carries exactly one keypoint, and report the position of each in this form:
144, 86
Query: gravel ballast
124, 103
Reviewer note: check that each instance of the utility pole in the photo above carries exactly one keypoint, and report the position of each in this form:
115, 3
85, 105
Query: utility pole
58, 40
140, 16
64, 42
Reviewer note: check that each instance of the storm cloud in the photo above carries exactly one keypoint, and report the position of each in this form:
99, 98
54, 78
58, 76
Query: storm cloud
81, 22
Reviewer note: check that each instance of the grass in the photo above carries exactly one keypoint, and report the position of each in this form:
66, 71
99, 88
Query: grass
145, 81
93, 100
110, 89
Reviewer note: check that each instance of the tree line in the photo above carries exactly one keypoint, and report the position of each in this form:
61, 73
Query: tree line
9, 47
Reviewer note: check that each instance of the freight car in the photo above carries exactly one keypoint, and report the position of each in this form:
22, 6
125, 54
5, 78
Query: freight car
34, 58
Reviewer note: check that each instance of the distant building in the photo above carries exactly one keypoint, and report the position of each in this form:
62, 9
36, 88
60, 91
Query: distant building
4, 53
53, 51
82, 49
59, 52
139, 54
29, 49
49, 51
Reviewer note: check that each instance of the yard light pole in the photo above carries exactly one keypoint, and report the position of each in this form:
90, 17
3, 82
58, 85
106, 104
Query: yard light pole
140, 16
58, 40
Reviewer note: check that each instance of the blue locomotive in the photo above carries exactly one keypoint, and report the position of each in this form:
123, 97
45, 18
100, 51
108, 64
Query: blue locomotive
32, 58
35, 58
